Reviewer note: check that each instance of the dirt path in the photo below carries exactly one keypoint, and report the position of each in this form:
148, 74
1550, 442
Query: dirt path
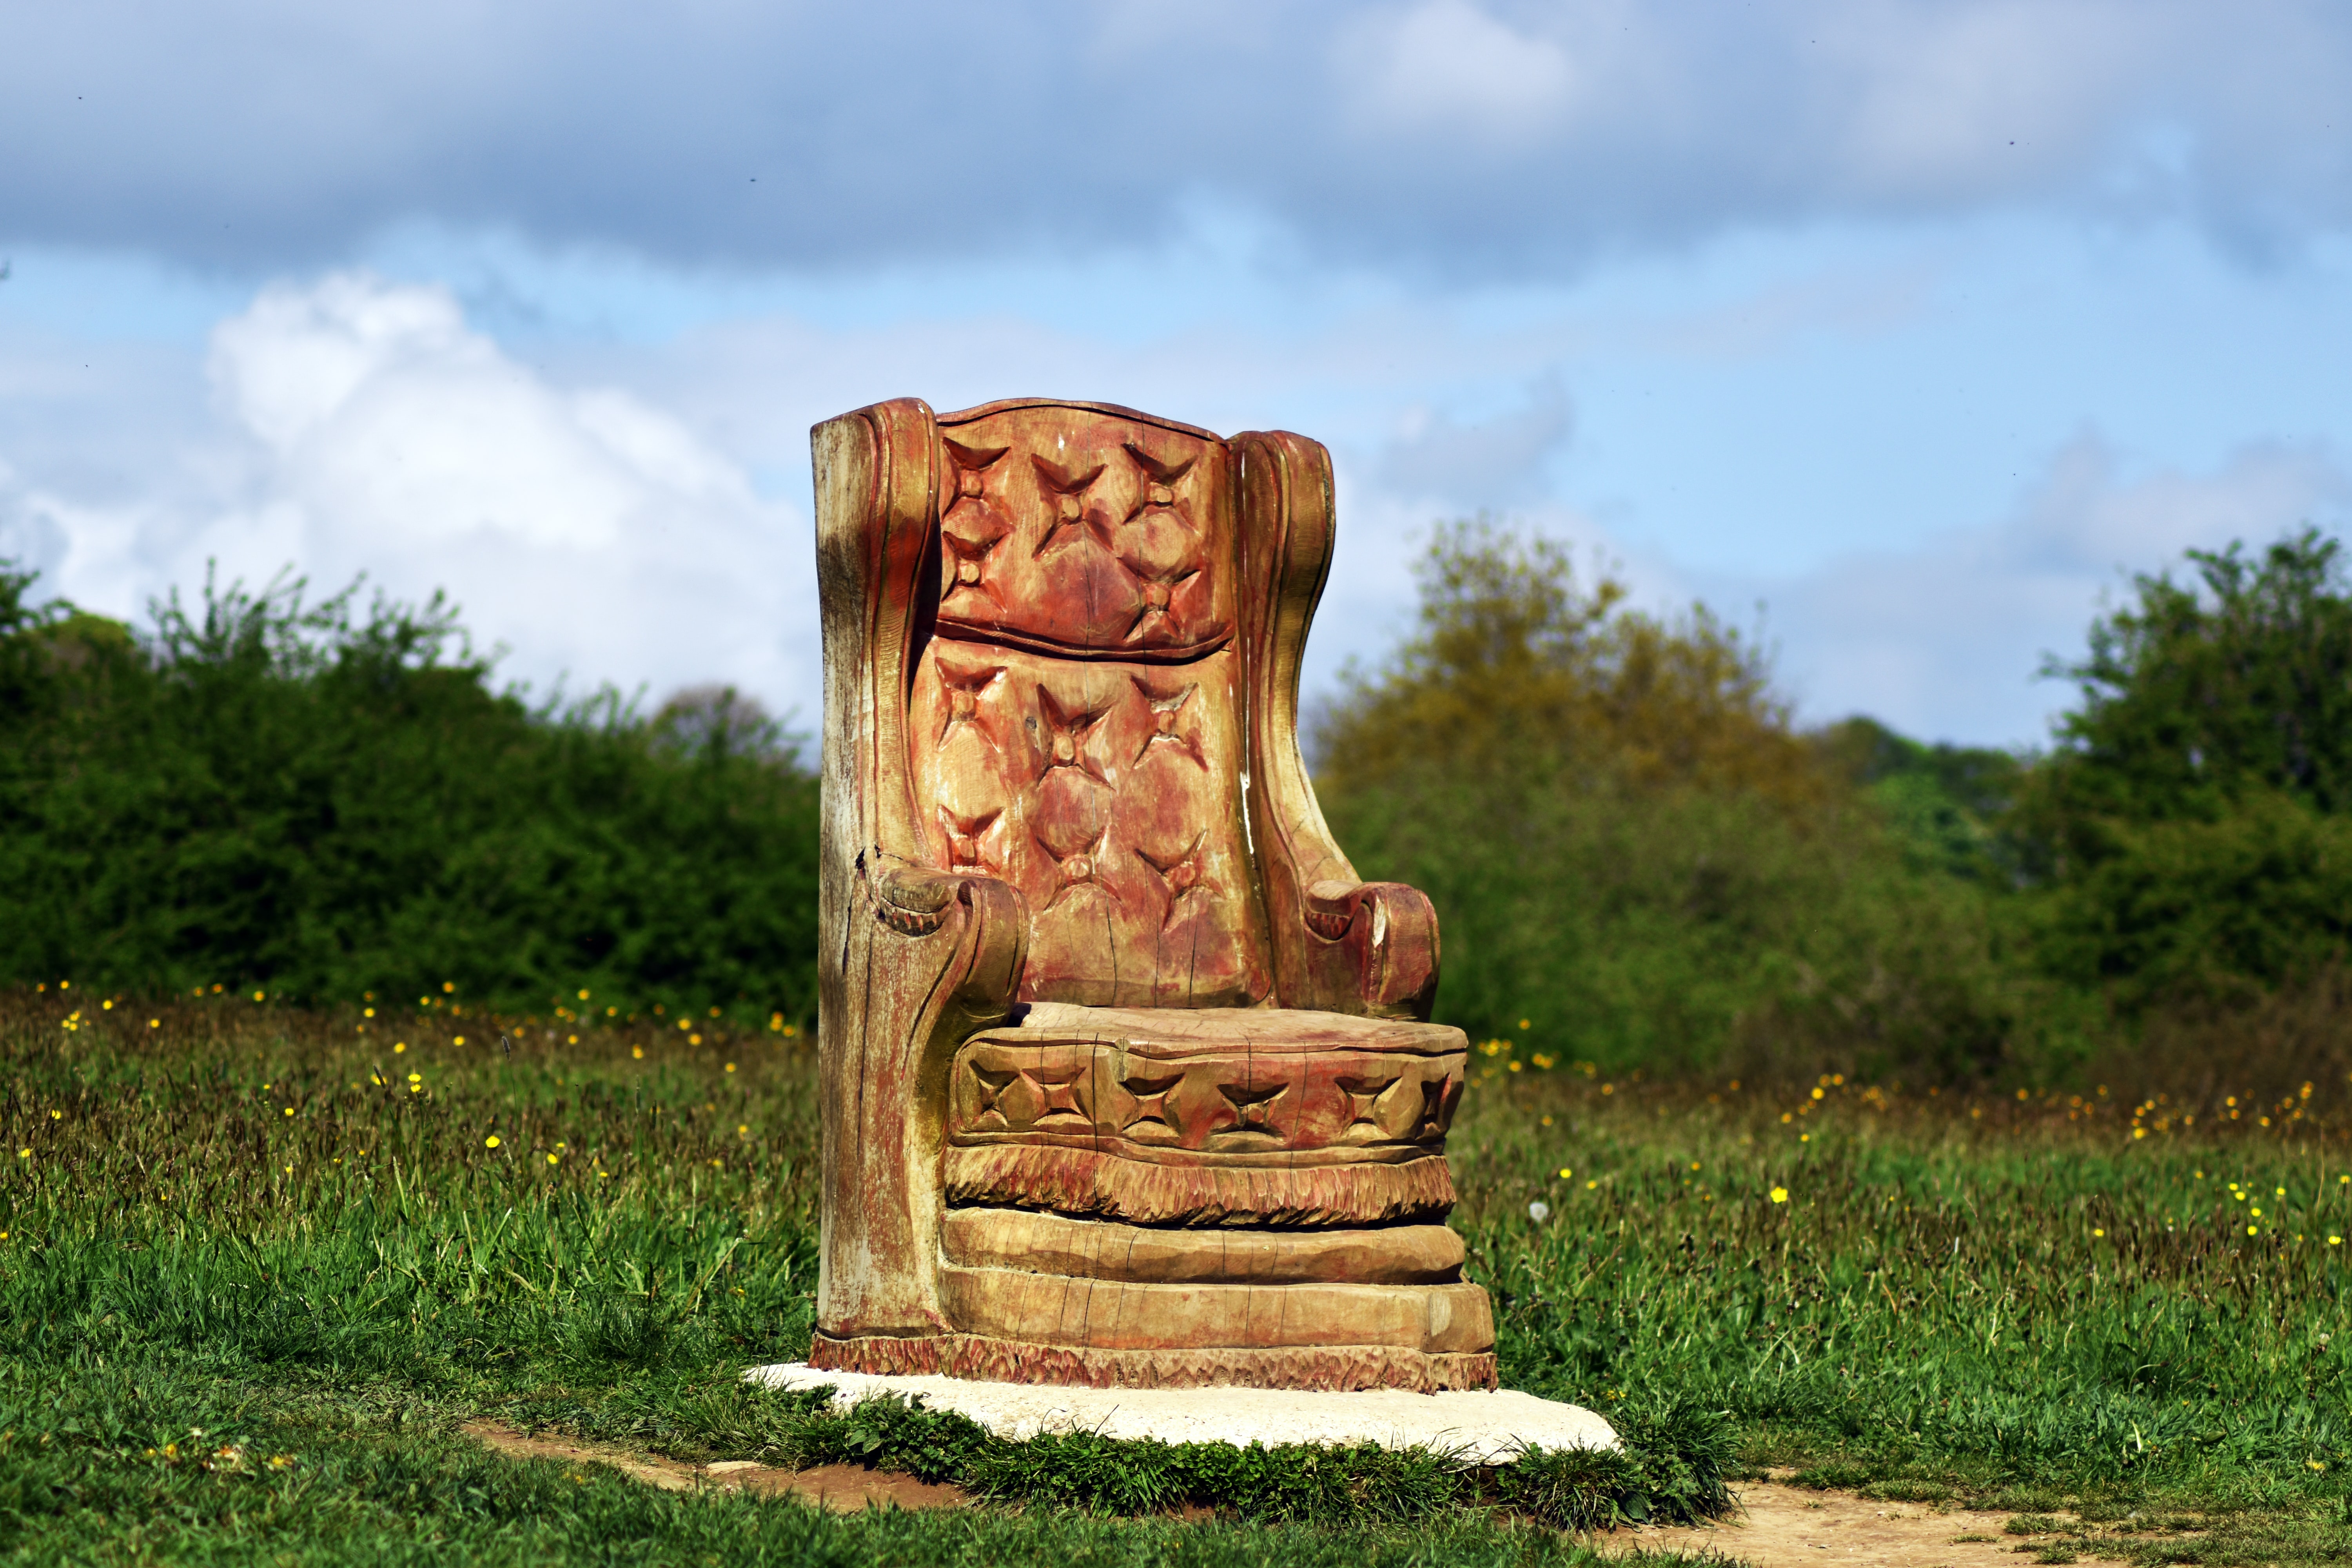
843, 1487
1781, 1526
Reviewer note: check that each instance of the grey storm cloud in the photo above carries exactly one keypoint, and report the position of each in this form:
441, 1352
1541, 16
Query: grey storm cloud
1502, 139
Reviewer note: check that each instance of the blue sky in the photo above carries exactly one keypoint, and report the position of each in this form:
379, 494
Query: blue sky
1900, 331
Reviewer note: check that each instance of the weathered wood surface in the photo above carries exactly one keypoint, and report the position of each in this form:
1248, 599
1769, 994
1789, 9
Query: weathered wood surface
1341, 945
1089, 951
1122, 1315
1248, 1086
1340, 1369
1053, 1244
1288, 1192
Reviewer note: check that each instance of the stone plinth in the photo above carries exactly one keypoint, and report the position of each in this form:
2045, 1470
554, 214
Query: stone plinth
1474, 1427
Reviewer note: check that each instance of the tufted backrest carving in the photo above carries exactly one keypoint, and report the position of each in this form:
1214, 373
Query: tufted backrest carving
1074, 719
1069, 529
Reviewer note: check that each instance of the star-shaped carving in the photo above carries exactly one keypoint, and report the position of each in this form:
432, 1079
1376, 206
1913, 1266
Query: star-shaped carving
965, 850
1059, 1094
1430, 1125
1083, 868
965, 563
968, 530
1158, 591
970, 460
1364, 1095
1165, 709
965, 689
1152, 1113
1065, 497
1253, 1107
1180, 875
991, 1086
1159, 478
1069, 729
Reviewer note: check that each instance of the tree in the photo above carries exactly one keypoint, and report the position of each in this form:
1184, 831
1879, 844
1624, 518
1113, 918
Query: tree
2194, 821
1515, 670
1630, 846
2199, 691
1945, 803
333, 800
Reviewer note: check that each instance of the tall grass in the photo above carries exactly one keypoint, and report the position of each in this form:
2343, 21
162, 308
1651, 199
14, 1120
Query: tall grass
2071, 1290
2021, 1299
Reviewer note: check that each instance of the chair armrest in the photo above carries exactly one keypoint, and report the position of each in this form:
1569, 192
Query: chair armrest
1376, 941
918, 901
923, 960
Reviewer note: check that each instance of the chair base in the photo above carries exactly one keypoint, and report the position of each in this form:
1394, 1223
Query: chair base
1330, 1368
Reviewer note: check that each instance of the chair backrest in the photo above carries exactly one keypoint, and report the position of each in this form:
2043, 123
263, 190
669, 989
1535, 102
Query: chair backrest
1075, 715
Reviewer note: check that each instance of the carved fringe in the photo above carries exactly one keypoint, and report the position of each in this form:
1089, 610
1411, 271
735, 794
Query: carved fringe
1085, 1183
1341, 1369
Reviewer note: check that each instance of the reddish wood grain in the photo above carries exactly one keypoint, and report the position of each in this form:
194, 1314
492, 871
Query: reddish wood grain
1057, 1245
1339, 1369
1089, 951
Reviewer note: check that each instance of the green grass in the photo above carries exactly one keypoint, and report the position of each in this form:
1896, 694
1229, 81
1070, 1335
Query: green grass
1983, 1301
2018, 1302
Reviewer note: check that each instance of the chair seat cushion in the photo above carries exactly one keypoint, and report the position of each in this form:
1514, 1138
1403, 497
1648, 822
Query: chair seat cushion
1221, 1116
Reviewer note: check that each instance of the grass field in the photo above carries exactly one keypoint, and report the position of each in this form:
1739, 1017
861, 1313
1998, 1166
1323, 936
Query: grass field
258, 1265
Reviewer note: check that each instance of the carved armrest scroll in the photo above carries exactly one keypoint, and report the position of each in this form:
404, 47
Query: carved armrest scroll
1377, 940
913, 902
917, 902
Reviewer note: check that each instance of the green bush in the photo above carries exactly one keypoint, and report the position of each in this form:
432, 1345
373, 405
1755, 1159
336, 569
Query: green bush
2191, 823
1629, 845
1943, 804
1631, 848
2192, 910
328, 802
1675, 928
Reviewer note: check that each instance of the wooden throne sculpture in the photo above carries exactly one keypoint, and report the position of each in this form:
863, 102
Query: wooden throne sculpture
1127, 1079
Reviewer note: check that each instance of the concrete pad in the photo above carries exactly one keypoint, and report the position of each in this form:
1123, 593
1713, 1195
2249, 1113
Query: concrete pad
1477, 1428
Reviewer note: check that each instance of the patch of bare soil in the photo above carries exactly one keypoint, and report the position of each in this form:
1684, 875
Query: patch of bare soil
1780, 1526
843, 1487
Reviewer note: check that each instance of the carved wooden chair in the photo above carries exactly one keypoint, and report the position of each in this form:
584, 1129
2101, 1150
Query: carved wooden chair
1127, 1078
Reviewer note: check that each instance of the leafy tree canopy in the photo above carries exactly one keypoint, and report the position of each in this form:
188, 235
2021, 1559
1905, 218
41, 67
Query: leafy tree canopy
1945, 803
1515, 666
2198, 691
1635, 858
327, 799
2194, 821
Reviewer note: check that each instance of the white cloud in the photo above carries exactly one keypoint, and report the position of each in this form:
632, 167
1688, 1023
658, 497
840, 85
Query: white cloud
1945, 640
72, 541
382, 416
1480, 463
368, 428
1446, 65
1964, 100
1466, 136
